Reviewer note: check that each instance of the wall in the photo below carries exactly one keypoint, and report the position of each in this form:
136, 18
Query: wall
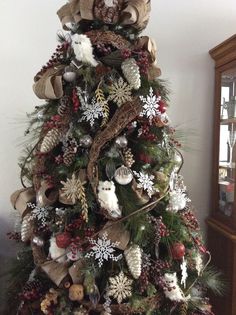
184, 30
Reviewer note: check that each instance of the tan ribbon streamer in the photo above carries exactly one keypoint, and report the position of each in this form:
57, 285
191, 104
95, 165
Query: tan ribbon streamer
56, 272
46, 195
20, 198
136, 13
49, 85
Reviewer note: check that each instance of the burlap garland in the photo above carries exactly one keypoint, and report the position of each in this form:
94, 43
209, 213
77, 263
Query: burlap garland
135, 13
49, 84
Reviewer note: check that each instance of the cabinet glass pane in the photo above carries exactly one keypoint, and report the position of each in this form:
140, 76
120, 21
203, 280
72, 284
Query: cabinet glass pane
227, 145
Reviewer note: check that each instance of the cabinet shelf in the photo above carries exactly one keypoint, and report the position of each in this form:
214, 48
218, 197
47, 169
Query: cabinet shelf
226, 165
228, 121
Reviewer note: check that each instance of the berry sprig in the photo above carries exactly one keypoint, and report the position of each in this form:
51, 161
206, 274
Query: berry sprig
75, 101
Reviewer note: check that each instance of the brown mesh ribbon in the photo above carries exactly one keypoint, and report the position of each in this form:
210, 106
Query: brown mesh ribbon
123, 116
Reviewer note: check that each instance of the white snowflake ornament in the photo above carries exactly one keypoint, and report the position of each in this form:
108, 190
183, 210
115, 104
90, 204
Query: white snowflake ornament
103, 250
151, 106
39, 213
145, 182
92, 111
120, 287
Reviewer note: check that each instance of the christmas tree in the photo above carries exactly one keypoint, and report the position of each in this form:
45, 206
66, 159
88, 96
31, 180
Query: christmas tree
107, 225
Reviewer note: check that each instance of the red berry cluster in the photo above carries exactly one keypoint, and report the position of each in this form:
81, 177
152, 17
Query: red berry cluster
14, 236
156, 269
103, 49
75, 101
75, 225
146, 134
162, 106
54, 122
145, 158
59, 159
32, 291
142, 61
190, 220
56, 57
144, 280
126, 53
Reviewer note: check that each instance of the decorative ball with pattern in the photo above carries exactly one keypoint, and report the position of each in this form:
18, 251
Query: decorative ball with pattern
178, 251
123, 175
63, 240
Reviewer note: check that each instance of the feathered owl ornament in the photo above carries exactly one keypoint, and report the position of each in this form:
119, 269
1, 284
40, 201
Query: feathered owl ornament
83, 49
108, 199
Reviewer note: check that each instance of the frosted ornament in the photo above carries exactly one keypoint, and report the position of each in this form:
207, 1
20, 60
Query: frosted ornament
38, 241
123, 175
69, 75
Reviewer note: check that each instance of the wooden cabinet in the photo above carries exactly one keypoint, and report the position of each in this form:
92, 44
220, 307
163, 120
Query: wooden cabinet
222, 221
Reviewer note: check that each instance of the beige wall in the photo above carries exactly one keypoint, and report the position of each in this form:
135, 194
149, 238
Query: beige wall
184, 30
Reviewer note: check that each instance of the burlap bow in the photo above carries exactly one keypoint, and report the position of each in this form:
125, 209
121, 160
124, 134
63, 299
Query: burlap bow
49, 84
135, 13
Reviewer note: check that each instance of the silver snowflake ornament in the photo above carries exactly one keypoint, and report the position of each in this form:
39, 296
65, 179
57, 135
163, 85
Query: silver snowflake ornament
120, 287
39, 213
120, 92
145, 182
103, 250
92, 111
151, 105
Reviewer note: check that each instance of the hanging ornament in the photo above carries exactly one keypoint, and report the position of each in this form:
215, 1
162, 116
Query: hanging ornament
86, 141
63, 240
121, 142
120, 92
69, 155
133, 257
26, 228
123, 175
171, 289
108, 199
76, 292
131, 72
184, 272
128, 157
38, 241
51, 140
69, 74
120, 287
177, 251
83, 49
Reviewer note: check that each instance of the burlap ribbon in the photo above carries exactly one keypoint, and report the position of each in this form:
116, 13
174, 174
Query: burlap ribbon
135, 13
46, 195
20, 199
49, 84
75, 11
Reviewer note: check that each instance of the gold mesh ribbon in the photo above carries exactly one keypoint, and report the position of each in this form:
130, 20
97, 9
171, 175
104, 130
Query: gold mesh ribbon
49, 85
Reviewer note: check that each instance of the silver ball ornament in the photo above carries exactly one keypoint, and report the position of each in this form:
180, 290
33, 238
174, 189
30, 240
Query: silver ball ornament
123, 175
86, 141
178, 160
121, 142
38, 241
69, 75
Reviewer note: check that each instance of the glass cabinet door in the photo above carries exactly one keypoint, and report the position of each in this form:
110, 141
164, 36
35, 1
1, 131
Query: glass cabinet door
227, 147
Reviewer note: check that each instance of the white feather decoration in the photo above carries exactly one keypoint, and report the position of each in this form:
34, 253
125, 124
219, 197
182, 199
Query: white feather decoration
83, 49
56, 252
108, 199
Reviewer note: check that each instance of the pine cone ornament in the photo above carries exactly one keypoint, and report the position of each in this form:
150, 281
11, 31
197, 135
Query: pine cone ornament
131, 72
128, 157
51, 140
32, 290
69, 155
133, 256
26, 228
81, 311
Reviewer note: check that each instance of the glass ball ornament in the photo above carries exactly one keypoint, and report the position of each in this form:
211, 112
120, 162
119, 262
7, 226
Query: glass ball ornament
123, 175
121, 142
69, 75
38, 241
86, 141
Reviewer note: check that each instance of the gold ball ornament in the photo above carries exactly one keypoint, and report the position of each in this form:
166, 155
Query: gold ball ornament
76, 292
123, 175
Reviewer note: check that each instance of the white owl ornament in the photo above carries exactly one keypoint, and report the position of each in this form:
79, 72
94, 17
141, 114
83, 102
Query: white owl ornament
108, 199
83, 49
